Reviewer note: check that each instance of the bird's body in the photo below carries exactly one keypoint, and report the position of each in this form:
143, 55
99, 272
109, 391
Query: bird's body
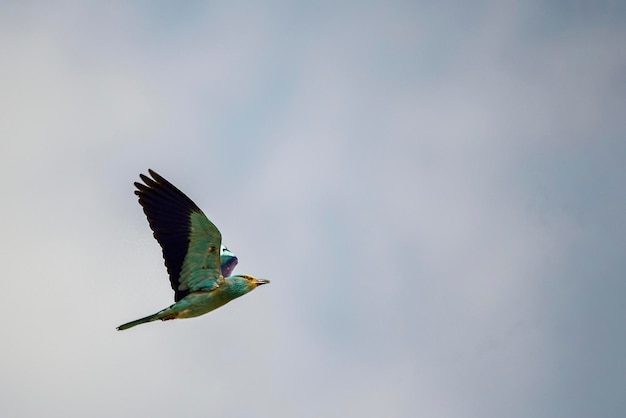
189, 242
199, 303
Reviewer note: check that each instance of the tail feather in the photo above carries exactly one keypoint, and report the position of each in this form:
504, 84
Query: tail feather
131, 324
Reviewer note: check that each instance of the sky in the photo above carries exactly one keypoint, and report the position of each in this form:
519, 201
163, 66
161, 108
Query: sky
435, 190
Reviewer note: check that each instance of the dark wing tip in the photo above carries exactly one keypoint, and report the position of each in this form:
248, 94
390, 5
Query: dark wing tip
148, 181
168, 211
141, 188
156, 176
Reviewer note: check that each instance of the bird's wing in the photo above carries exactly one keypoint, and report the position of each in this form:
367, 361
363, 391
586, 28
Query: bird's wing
190, 242
228, 261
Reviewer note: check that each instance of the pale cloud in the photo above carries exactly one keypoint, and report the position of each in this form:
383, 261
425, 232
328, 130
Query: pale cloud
434, 194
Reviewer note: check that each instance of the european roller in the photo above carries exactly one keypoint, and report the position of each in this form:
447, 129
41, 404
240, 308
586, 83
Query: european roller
198, 264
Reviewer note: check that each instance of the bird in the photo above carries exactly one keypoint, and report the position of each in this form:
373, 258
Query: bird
199, 266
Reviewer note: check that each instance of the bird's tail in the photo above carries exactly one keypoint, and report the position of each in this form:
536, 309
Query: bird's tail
131, 324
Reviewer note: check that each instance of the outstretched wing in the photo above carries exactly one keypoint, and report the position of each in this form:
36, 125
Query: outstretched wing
228, 261
190, 242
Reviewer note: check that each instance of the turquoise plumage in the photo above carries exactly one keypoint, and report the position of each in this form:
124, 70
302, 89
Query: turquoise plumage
199, 272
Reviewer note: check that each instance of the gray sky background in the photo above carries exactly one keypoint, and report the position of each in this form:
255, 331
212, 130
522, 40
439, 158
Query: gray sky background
436, 191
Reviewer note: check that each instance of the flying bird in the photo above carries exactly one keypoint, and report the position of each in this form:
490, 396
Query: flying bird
198, 264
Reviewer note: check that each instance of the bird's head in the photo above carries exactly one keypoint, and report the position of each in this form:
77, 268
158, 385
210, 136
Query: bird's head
242, 283
252, 281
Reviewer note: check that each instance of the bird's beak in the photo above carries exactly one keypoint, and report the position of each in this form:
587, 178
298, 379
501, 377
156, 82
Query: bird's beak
259, 282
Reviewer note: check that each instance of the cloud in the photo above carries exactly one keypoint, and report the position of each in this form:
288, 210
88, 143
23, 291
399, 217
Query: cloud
434, 193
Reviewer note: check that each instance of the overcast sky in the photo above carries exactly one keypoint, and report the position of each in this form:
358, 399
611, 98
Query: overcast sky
436, 192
